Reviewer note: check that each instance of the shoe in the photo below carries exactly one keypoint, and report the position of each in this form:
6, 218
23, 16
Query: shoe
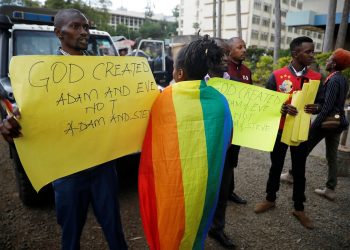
326, 192
222, 238
236, 199
263, 206
287, 178
304, 220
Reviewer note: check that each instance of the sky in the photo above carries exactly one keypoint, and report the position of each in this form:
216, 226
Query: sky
159, 6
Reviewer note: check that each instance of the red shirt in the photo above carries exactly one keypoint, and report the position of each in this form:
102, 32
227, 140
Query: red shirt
286, 81
239, 72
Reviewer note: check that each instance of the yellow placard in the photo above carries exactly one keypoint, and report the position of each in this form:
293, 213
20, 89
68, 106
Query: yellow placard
79, 111
255, 112
296, 128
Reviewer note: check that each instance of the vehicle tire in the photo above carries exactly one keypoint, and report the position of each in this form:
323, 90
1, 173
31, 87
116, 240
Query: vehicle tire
26, 191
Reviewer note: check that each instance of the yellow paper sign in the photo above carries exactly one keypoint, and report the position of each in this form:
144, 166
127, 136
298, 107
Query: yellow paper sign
296, 128
255, 112
79, 111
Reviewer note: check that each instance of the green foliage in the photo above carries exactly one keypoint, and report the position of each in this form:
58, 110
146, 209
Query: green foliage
123, 30
282, 61
95, 11
263, 70
176, 11
30, 3
157, 30
284, 53
253, 56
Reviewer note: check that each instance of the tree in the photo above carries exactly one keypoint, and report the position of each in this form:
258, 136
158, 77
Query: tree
329, 33
238, 18
196, 27
263, 70
277, 44
214, 18
55, 4
30, 3
151, 29
176, 11
343, 25
95, 11
148, 10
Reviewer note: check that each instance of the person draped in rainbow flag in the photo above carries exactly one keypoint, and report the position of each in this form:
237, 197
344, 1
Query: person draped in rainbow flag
183, 153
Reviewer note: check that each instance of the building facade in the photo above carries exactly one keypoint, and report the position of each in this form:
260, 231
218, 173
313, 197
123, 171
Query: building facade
257, 21
134, 20
314, 17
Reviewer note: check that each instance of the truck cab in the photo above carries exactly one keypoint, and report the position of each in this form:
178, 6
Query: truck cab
30, 31
161, 64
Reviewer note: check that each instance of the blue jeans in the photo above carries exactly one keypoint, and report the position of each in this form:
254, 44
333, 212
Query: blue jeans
74, 193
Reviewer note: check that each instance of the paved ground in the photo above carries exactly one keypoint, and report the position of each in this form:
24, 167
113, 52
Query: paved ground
36, 228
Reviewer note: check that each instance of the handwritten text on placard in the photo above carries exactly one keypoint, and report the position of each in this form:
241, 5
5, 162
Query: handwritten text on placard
79, 111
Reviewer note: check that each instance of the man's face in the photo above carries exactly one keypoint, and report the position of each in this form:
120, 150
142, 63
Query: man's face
238, 50
74, 34
304, 54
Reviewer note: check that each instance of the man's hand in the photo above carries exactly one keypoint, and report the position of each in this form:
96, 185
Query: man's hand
10, 128
312, 108
289, 109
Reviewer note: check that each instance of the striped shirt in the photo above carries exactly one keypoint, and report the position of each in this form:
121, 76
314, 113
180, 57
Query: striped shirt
335, 91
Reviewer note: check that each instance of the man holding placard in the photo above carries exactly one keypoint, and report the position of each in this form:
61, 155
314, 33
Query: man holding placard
97, 185
289, 79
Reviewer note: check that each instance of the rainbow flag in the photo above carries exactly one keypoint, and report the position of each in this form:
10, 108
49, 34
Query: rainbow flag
181, 165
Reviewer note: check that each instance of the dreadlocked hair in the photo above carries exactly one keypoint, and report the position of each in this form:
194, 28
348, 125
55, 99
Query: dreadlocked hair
199, 57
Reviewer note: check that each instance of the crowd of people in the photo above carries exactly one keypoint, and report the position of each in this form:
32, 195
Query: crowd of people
197, 62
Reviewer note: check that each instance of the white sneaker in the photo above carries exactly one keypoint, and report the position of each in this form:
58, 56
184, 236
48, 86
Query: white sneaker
326, 192
286, 177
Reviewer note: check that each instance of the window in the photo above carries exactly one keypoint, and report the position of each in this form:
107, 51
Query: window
264, 36
300, 5
319, 36
256, 19
289, 39
282, 39
255, 34
283, 13
290, 29
308, 33
285, 1
266, 22
293, 3
273, 24
272, 38
257, 4
296, 31
283, 26
303, 32
267, 8
318, 46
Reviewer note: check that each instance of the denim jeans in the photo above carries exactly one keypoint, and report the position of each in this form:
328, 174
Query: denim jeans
97, 186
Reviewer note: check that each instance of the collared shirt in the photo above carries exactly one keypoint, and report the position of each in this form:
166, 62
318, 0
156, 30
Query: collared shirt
64, 53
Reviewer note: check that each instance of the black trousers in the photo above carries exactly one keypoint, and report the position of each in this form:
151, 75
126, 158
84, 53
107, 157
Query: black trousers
226, 187
298, 155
